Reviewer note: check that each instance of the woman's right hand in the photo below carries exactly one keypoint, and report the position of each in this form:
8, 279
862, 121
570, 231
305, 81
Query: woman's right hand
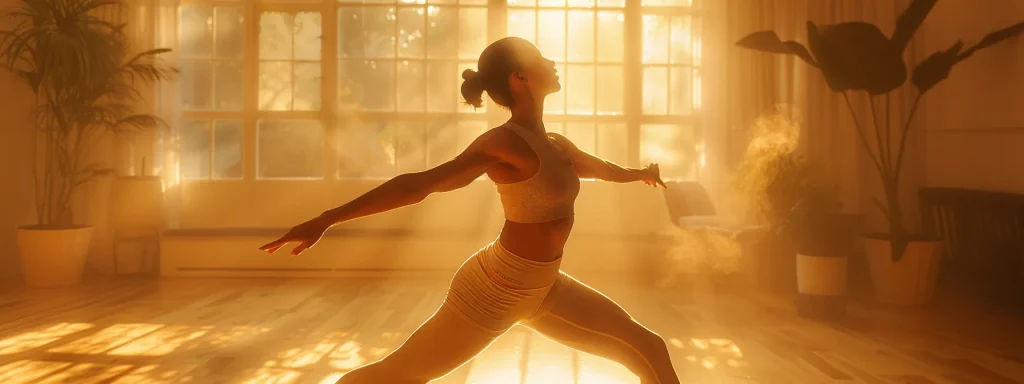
306, 234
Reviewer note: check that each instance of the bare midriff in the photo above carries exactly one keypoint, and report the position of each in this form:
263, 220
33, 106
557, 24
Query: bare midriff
536, 241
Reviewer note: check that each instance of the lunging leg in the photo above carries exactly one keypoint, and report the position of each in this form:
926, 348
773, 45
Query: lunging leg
582, 318
440, 345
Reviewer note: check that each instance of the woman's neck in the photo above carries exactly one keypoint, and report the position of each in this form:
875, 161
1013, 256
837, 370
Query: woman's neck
529, 115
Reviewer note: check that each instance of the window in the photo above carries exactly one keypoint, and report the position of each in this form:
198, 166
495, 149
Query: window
211, 149
670, 64
212, 58
399, 68
367, 89
289, 52
589, 110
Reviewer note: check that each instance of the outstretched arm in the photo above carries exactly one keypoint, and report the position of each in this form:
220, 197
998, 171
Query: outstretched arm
412, 188
589, 166
400, 191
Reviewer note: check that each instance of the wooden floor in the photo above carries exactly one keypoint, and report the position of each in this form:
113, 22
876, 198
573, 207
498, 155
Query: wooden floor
311, 331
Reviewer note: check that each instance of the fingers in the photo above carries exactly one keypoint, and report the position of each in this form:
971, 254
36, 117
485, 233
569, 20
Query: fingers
274, 245
301, 248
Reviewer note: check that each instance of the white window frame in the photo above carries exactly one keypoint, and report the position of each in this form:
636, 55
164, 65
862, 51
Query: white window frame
250, 115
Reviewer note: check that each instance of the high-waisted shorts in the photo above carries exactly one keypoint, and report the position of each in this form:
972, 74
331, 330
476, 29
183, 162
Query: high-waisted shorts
497, 289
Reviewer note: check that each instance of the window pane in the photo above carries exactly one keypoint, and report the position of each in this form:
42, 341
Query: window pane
610, 28
523, 23
275, 86
581, 3
521, 3
366, 150
609, 90
228, 88
668, 3
581, 36
463, 107
672, 147
412, 84
555, 127
227, 149
682, 40
276, 33
308, 33
366, 32
196, 85
611, 3
410, 147
229, 27
681, 90
196, 34
655, 100
552, 28
555, 103
443, 32
307, 87
612, 139
411, 25
441, 93
580, 90
472, 32
551, 3
583, 135
290, 149
656, 32
368, 84
446, 139
194, 146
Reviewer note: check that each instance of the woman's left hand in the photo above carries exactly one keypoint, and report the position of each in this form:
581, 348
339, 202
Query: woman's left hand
651, 175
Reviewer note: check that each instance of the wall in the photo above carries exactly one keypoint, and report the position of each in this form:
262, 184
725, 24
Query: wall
16, 141
975, 119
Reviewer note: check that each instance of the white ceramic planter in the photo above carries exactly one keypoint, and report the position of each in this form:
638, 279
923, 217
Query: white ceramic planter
821, 276
53, 257
911, 281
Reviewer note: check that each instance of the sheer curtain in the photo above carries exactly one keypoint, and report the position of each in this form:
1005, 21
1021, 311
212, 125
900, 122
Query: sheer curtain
741, 85
154, 24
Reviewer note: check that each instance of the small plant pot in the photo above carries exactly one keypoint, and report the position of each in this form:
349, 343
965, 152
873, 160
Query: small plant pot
909, 281
53, 257
821, 285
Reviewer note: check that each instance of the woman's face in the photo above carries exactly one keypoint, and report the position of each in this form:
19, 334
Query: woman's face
539, 72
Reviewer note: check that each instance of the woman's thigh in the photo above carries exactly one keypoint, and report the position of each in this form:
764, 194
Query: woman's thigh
444, 342
582, 318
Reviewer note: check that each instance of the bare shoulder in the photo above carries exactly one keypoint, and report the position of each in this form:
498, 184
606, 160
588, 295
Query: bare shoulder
497, 142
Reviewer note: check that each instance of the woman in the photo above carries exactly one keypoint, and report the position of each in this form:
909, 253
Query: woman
516, 278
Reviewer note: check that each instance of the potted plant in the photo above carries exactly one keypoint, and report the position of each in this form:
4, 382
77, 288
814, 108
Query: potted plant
85, 85
857, 56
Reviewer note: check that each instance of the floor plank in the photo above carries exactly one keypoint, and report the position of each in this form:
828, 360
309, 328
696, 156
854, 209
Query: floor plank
315, 330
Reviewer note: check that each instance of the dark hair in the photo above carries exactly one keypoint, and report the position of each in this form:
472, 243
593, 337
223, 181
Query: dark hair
497, 62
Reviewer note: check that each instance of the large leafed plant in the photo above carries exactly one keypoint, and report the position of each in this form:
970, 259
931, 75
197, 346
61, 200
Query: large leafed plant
86, 82
858, 57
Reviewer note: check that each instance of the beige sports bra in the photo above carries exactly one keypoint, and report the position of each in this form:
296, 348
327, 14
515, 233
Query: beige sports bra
550, 193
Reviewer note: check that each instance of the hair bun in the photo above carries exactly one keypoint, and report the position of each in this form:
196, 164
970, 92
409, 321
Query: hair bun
470, 75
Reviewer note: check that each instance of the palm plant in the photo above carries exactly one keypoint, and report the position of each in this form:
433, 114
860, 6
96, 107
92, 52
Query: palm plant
857, 56
86, 83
